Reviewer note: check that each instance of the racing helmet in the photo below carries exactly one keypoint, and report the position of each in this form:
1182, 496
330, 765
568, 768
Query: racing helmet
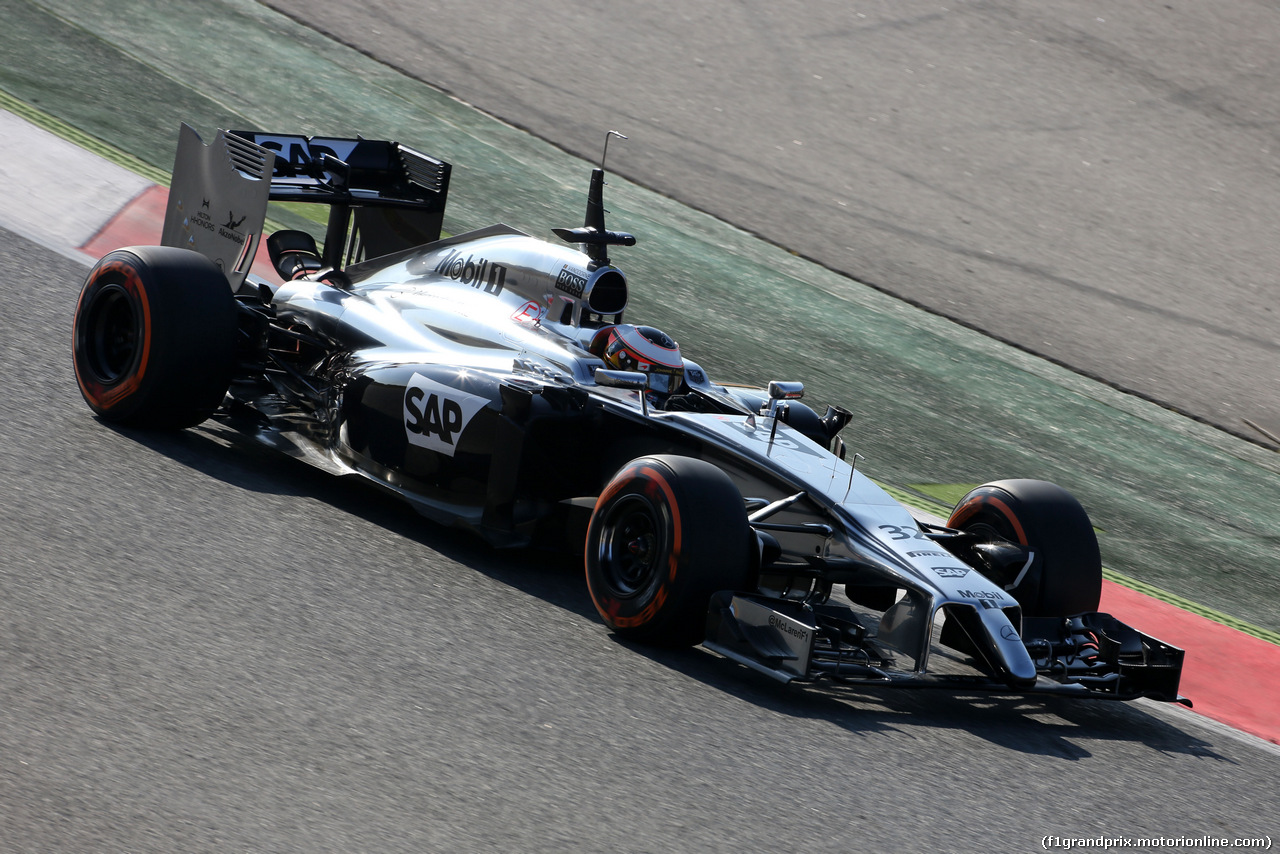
643, 348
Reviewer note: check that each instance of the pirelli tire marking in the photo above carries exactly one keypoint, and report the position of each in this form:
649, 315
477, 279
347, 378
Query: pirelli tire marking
966, 511
656, 489
104, 393
436, 415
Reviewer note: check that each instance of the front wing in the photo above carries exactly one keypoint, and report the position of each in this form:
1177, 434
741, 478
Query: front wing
1088, 656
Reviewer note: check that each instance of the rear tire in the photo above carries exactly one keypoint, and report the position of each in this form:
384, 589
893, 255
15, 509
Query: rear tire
154, 337
1065, 575
666, 533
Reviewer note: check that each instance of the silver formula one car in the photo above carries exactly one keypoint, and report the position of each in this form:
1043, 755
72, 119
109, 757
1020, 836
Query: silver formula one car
489, 378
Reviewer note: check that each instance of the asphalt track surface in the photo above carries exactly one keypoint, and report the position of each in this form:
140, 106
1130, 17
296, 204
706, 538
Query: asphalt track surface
1098, 183
206, 647
209, 648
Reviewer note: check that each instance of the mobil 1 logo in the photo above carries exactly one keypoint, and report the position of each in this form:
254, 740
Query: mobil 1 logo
435, 415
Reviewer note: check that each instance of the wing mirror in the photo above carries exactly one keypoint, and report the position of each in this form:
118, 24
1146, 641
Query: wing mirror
636, 380
785, 391
778, 392
622, 379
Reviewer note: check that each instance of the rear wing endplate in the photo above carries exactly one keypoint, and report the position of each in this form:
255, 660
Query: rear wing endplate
218, 200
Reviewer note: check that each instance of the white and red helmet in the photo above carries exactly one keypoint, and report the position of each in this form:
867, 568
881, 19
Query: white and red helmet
642, 348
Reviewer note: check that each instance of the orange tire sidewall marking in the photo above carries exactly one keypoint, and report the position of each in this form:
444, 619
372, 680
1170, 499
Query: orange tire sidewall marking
967, 509
99, 395
608, 606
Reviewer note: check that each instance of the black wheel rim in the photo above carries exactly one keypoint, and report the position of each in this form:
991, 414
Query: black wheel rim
111, 335
633, 547
988, 532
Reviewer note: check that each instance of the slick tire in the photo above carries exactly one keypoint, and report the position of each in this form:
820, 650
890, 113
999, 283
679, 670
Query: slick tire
1065, 574
666, 533
154, 337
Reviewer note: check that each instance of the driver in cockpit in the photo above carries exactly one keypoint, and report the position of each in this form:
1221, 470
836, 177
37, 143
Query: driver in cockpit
646, 349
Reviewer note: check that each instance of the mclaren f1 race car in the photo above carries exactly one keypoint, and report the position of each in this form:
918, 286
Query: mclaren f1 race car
454, 370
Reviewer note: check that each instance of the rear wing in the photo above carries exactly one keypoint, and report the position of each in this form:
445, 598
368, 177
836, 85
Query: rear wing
383, 197
396, 194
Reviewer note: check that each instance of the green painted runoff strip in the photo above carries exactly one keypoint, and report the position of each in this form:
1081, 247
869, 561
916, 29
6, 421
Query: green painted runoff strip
946, 495
1181, 506
56, 126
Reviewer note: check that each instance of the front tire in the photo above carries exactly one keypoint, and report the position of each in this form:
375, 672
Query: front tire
667, 532
1064, 577
154, 337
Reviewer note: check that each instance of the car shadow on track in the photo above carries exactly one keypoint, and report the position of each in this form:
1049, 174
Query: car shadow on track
1050, 726
243, 463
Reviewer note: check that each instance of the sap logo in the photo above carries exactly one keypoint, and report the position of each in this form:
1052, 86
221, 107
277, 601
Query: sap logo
435, 415
299, 157
439, 415
951, 571
476, 272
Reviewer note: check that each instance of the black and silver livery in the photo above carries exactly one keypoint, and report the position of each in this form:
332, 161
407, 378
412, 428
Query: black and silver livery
481, 377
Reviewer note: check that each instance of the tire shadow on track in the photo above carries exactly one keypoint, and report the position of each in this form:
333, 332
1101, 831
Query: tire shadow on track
1053, 727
